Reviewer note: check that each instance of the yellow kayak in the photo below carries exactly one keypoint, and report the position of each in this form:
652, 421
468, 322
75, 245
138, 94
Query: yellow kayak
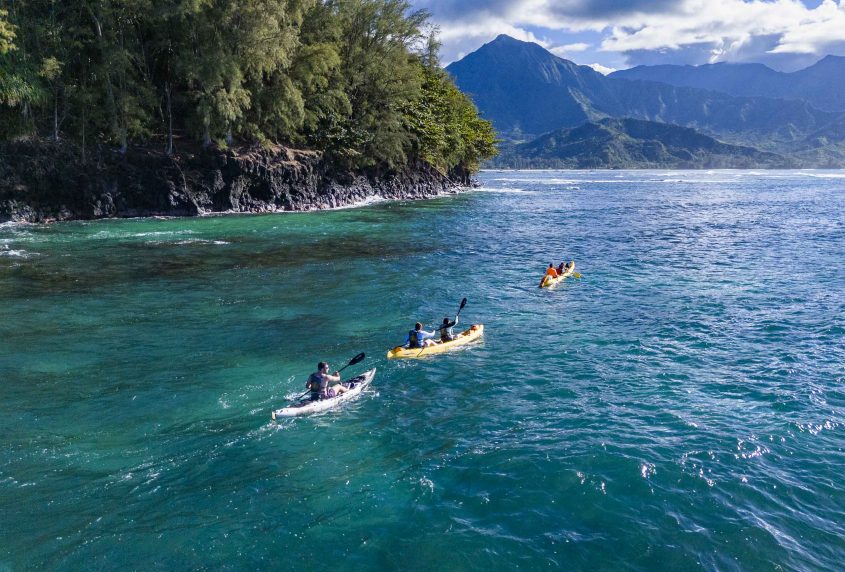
549, 282
461, 339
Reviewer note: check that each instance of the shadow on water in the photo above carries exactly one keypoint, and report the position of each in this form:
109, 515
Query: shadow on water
135, 263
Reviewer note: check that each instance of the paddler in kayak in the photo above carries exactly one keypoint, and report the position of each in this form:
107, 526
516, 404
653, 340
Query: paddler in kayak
550, 273
446, 333
324, 385
419, 338
561, 268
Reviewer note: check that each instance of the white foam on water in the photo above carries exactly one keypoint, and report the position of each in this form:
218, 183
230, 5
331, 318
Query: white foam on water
547, 181
107, 234
825, 175
186, 242
427, 483
7, 252
497, 190
688, 181
615, 181
373, 200
161, 233
366, 202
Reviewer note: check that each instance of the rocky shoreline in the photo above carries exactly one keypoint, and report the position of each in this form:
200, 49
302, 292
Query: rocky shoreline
45, 182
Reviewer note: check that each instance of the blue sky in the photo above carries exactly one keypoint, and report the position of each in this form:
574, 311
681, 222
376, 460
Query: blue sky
615, 34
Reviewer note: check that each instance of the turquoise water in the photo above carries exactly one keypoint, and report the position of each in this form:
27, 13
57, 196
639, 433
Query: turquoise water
679, 407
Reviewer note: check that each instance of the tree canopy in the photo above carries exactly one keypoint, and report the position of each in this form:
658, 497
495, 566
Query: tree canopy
356, 79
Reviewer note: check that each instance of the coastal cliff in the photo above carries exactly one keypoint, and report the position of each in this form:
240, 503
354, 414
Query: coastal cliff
41, 182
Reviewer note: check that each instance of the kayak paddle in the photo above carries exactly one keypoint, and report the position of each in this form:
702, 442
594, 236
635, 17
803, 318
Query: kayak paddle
463, 303
357, 359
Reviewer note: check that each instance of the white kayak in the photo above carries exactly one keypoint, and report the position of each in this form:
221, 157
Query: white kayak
306, 407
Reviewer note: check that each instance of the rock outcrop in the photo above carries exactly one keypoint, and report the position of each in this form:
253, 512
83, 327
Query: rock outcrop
41, 182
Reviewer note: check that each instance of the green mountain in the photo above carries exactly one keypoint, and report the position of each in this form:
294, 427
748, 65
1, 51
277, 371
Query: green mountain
824, 148
822, 84
526, 91
632, 144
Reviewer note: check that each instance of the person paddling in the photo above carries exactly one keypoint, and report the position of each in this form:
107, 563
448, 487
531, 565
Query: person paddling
321, 383
561, 268
550, 273
446, 333
419, 338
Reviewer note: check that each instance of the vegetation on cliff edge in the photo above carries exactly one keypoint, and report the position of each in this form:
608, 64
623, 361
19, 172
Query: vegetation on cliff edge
356, 79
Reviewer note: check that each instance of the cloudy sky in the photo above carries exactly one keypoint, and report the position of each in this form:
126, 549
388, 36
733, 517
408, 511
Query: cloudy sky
615, 34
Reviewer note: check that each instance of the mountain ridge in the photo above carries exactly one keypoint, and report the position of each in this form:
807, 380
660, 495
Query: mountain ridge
632, 143
526, 91
821, 84
523, 88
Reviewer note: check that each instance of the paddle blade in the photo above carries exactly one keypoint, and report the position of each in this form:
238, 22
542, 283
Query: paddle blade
357, 359
463, 303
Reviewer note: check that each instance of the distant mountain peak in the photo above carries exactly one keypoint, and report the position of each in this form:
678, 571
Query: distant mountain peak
829, 60
523, 87
505, 42
509, 43
822, 84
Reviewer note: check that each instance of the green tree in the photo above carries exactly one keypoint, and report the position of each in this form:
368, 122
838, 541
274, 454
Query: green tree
19, 88
449, 133
357, 79
379, 78
242, 49
7, 33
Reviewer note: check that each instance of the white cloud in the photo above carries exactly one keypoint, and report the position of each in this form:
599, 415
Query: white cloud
725, 29
604, 70
815, 35
726, 24
460, 38
563, 51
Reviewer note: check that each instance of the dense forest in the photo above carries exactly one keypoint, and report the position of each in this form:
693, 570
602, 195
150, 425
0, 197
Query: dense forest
357, 79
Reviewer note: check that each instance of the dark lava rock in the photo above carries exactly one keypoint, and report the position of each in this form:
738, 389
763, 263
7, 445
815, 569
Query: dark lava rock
42, 182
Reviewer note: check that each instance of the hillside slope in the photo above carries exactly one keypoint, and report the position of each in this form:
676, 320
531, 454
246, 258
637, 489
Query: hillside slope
822, 84
632, 144
525, 91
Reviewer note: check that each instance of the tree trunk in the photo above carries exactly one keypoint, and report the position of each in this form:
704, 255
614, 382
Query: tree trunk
112, 103
168, 149
56, 116
84, 160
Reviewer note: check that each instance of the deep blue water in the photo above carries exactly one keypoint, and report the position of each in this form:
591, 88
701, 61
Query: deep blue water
679, 407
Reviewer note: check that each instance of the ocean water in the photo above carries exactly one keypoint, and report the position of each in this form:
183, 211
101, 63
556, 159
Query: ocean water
679, 407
